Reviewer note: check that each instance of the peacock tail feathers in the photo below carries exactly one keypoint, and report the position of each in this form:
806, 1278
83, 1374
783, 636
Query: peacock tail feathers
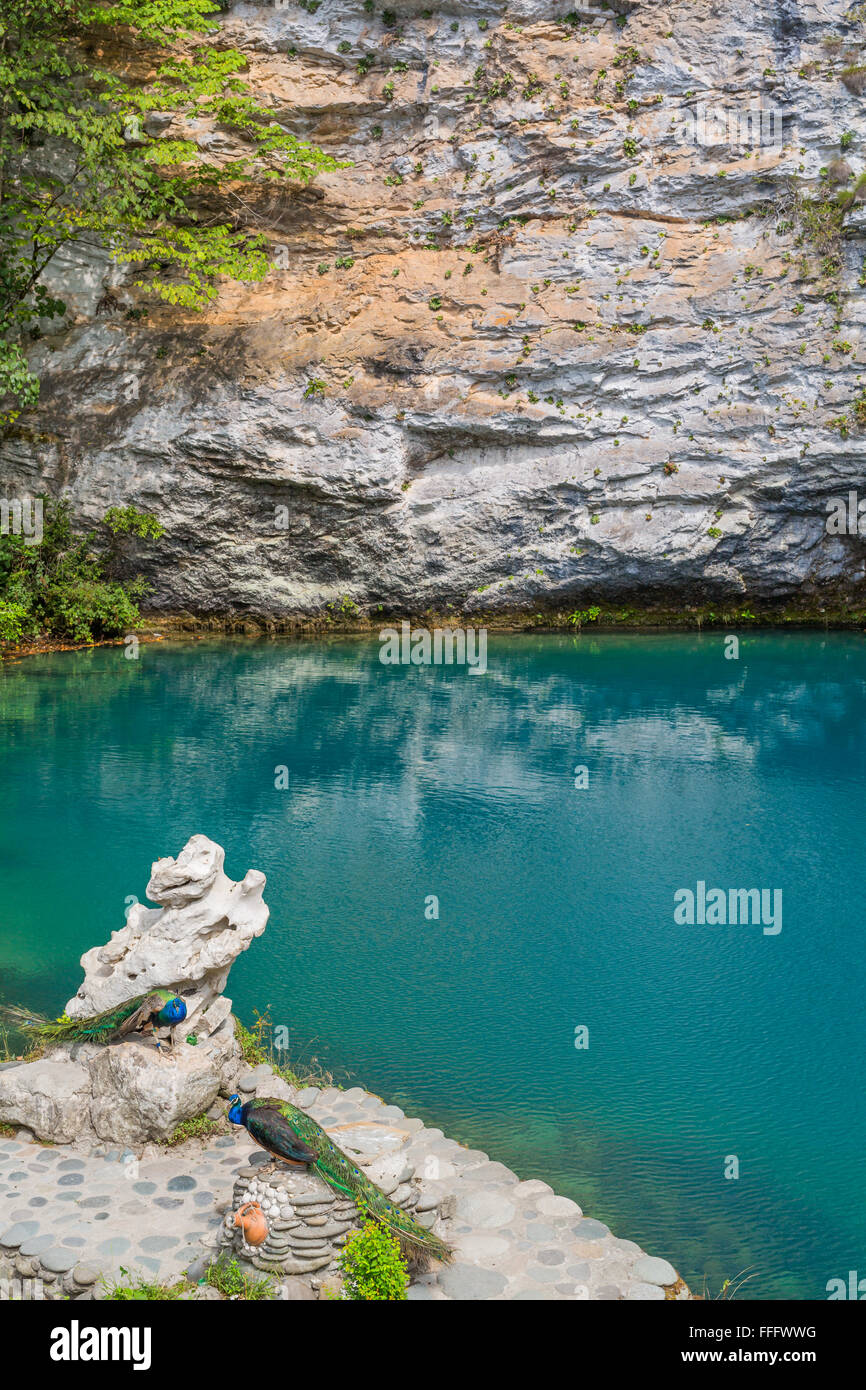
113, 1023
417, 1244
17, 1017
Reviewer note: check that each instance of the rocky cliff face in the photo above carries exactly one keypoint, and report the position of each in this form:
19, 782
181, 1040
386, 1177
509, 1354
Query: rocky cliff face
582, 322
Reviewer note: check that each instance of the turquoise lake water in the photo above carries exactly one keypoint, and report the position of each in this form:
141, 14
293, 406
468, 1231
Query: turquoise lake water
556, 904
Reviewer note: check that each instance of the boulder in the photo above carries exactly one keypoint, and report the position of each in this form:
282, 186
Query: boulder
51, 1098
140, 1094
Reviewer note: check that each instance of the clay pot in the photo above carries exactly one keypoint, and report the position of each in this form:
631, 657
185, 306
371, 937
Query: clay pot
251, 1219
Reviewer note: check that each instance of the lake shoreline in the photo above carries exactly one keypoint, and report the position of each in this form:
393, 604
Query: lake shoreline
155, 627
514, 1239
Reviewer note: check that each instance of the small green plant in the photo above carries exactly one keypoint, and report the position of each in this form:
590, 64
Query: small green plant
315, 387
142, 1292
372, 1267
629, 147
730, 1287
226, 1275
256, 1051
199, 1128
581, 616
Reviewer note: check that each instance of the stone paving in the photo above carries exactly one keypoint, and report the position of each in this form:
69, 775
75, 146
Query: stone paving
74, 1216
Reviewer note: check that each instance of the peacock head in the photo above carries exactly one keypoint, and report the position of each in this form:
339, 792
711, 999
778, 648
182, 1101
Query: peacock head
235, 1110
175, 1010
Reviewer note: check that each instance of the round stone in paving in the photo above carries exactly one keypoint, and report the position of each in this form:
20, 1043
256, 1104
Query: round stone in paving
555, 1208
587, 1229
93, 1202
17, 1177
168, 1203
71, 1180
71, 1163
204, 1199
488, 1209
116, 1245
550, 1257
180, 1185
145, 1189
34, 1245
541, 1275
158, 1243
652, 1270
536, 1230
532, 1189
73, 1240
644, 1293
13, 1235
38, 1202
468, 1282
481, 1248
58, 1260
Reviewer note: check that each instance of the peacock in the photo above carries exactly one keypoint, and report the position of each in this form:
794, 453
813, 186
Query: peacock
161, 1008
292, 1136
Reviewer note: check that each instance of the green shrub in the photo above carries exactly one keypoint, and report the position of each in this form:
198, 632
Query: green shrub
83, 609
14, 618
62, 587
372, 1267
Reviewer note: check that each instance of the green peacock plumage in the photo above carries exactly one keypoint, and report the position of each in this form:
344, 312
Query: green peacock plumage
292, 1135
161, 1007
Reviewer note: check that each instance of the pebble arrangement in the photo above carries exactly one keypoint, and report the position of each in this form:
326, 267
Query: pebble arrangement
72, 1218
307, 1222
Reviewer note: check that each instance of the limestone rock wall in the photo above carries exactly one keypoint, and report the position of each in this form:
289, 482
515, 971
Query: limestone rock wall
579, 322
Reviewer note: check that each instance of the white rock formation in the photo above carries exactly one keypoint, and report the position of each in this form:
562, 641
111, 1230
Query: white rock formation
128, 1092
190, 943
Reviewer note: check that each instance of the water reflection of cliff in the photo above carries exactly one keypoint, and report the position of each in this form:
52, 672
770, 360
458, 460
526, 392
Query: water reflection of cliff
331, 709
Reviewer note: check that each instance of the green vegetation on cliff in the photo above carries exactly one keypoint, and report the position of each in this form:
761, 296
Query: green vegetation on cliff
86, 90
52, 583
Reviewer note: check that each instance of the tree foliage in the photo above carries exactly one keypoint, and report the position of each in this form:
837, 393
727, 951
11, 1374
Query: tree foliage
102, 110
